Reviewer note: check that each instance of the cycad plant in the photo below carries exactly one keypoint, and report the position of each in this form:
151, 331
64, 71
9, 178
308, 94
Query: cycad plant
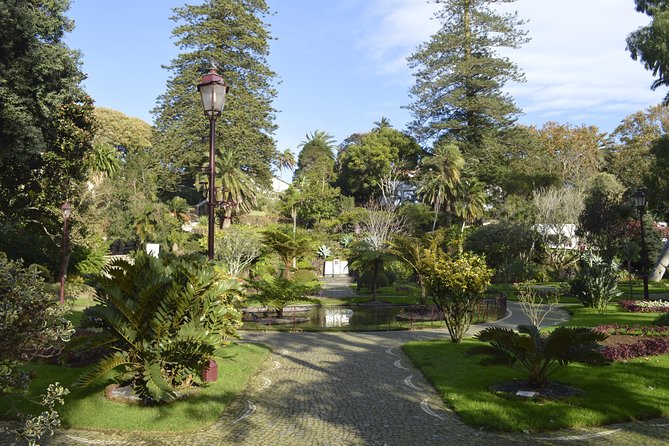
163, 321
539, 355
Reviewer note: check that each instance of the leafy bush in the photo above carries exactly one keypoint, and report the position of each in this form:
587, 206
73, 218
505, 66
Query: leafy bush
637, 330
277, 292
540, 355
31, 322
397, 271
662, 320
596, 283
366, 280
164, 320
644, 306
305, 276
456, 285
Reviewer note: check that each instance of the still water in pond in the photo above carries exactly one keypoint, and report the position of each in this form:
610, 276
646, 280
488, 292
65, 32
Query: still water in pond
344, 317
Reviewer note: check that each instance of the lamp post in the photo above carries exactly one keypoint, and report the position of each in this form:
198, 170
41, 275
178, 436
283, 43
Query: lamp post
640, 204
66, 208
212, 90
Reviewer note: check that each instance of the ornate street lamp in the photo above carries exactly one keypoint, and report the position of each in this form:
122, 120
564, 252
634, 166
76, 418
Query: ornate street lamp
67, 209
640, 204
212, 90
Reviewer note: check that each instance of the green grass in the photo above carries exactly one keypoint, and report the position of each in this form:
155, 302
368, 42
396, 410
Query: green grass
88, 408
627, 391
589, 317
624, 391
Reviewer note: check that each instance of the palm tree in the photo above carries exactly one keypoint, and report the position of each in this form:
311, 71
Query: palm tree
319, 137
439, 176
238, 189
470, 201
285, 160
287, 247
539, 355
384, 123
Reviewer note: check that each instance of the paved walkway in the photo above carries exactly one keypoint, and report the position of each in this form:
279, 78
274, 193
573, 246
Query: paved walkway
355, 389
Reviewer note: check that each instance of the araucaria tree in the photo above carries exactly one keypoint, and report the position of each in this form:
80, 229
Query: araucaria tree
232, 35
459, 79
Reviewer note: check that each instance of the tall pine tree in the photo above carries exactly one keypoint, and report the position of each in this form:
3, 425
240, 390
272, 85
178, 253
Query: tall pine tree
459, 79
232, 35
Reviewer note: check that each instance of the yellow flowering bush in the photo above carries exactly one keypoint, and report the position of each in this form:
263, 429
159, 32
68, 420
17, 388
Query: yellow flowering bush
456, 285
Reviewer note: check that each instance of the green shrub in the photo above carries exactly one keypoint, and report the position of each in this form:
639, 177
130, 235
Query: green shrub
32, 323
366, 280
305, 276
398, 272
662, 320
277, 292
538, 355
596, 283
456, 285
163, 319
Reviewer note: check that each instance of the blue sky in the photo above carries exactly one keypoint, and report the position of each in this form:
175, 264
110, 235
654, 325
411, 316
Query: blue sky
342, 63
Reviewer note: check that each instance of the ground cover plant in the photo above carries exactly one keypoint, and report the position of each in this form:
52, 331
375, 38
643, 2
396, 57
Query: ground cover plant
87, 407
645, 306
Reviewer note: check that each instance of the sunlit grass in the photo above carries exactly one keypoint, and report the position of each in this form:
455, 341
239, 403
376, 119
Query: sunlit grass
88, 408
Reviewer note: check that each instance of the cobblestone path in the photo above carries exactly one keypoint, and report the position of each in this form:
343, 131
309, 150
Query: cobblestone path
353, 389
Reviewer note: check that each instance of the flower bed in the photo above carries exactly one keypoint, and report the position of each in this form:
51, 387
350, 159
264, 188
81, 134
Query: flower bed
645, 347
645, 306
635, 330
657, 344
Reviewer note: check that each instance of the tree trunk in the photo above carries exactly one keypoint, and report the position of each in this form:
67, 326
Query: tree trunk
661, 264
227, 218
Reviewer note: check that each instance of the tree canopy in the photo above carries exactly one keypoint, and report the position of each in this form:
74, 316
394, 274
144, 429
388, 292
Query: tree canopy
232, 35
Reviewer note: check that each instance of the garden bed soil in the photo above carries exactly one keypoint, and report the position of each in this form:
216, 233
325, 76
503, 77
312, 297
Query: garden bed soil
554, 390
623, 340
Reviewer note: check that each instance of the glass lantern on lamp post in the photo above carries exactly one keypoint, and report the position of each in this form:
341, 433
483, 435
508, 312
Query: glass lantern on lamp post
212, 90
640, 204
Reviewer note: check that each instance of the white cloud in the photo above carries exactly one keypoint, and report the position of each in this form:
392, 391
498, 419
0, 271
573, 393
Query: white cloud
576, 63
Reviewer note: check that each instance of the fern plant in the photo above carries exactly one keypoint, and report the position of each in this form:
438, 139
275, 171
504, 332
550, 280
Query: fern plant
163, 322
539, 355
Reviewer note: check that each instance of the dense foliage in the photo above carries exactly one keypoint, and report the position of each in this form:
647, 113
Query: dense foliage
596, 282
459, 80
456, 285
277, 292
31, 322
163, 320
539, 355
232, 35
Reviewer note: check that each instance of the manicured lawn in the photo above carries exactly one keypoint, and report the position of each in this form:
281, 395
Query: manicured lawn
88, 408
589, 317
621, 392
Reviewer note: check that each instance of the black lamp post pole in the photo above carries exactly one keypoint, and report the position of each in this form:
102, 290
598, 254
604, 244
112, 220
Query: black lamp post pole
212, 186
64, 253
644, 254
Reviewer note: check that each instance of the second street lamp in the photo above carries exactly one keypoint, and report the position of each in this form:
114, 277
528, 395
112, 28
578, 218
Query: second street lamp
67, 209
640, 204
212, 90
